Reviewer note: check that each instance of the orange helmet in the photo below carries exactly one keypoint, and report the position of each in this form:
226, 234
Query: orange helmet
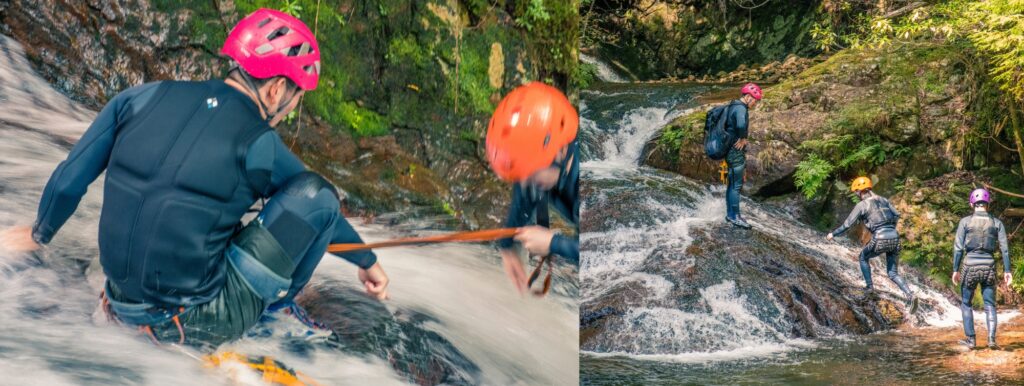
860, 183
527, 130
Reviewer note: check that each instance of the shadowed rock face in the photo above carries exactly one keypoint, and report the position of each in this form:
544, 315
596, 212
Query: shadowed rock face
364, 326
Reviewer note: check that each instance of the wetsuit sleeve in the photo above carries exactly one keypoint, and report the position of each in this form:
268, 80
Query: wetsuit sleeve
88, 158
854, 216
740, 121
270, 164
958, 244
1004, 246
566, 247
345, 234
518, 213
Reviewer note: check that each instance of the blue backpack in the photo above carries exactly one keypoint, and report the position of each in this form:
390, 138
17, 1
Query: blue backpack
717, 140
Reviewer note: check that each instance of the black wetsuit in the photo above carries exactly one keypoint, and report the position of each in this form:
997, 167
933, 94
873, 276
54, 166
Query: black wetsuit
530, 205
977, 237
880, 218
736, 122
184, 162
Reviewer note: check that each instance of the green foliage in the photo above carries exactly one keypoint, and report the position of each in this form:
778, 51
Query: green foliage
682, 130
584, 75
1000, 34
291, 7
534, 15
834, 155
812, 174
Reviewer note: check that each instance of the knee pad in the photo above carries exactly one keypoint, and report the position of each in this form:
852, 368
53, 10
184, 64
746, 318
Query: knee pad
307, 184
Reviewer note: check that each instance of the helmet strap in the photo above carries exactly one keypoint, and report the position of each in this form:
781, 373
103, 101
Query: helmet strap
259, 98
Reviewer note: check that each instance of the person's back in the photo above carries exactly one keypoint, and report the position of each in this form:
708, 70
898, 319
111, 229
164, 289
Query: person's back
176, 186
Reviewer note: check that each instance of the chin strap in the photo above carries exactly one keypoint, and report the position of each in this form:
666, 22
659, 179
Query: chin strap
259, 99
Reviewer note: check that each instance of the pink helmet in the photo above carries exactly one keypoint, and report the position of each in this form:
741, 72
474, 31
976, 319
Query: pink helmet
980, 195
262, 41
751, 89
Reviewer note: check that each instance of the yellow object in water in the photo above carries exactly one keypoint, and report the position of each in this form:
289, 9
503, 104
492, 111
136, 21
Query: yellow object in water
265, 368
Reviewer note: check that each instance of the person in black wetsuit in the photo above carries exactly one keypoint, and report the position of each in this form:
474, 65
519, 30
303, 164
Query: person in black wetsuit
184, 162
976, 240
880, 218
737, 123
531, 143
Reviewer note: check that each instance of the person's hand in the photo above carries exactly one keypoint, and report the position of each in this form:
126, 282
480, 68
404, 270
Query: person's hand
829, 237
956, 277
536, 239
514, 270
18, 239
376, 281
740, 144
1007, 278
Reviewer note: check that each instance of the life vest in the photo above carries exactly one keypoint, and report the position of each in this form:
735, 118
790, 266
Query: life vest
175, 190
981, 235
880, 214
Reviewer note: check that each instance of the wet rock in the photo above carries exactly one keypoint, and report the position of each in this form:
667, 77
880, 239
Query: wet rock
365, 327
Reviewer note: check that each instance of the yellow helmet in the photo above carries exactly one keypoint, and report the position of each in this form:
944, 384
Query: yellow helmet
860, 183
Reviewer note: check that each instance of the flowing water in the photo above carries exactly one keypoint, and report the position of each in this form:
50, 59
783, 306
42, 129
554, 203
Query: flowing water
604, 71
671, 294
452, 317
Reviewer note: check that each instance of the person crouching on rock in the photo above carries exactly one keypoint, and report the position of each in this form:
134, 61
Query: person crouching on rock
531, 143
880, 218
184, 162
976, 236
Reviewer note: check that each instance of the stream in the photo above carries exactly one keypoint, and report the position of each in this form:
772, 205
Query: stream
671, 294
453, 317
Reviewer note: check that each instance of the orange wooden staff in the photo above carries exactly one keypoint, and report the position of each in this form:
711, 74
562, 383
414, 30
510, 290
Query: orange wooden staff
464, 237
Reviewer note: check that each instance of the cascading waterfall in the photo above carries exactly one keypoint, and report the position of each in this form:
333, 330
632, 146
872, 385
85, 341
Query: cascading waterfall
664, 279
604, 71
452, 309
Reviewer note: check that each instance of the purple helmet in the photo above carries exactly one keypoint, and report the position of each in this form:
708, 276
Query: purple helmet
980, 195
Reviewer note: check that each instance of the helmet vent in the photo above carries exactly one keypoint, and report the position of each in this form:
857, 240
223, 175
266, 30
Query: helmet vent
278, 33
547, 139
264, 48
263, 22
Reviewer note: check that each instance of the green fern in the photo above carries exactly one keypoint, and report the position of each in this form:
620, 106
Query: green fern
812, 174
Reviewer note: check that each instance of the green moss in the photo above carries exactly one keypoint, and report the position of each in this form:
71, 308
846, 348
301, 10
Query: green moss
473, 80
406, 49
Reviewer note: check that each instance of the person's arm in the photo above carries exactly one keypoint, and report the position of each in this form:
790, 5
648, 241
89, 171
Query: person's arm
519, 214
345, 234
958, 245
852, 219
87, 159
566, 247
1004, 246
740, 121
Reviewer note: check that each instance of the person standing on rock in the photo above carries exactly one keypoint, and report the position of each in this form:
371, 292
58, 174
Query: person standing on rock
976, 239
531, 143
878, 215
184, 162
736, 124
